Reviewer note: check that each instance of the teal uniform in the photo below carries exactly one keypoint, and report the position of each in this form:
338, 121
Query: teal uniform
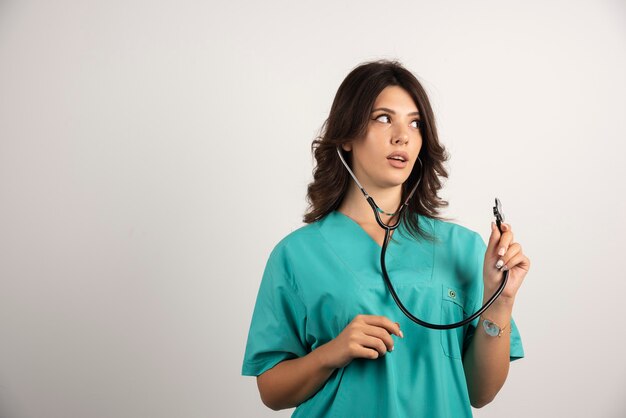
319, 277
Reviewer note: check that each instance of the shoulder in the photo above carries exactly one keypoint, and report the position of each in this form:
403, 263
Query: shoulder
290, 254
304, 235
461, 243
454, 234
297, 241
454, 229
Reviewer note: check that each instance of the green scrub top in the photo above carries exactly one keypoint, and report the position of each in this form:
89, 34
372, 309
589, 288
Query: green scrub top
320, 276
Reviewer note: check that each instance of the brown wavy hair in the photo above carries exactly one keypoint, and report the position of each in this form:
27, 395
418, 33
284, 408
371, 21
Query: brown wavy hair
348, 120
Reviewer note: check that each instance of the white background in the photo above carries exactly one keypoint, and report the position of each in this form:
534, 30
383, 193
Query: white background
152, 153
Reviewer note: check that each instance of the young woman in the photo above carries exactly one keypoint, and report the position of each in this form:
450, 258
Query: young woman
326, 335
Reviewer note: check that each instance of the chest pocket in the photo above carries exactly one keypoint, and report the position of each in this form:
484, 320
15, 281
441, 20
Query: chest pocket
453, 302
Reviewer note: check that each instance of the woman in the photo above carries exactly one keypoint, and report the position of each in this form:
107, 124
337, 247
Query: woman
326, 335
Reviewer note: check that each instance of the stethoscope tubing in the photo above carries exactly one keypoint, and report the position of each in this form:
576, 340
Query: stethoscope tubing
413, 317
383, 252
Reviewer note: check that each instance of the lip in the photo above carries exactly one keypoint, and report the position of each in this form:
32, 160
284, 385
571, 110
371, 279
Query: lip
397, 163
401, 154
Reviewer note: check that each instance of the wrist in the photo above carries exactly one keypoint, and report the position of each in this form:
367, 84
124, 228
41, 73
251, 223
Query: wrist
324, 354
500, 311
502, 303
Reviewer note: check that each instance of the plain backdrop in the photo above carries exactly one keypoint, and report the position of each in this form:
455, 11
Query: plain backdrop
152, 153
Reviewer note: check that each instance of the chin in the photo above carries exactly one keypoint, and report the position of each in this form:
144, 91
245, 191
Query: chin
394, 182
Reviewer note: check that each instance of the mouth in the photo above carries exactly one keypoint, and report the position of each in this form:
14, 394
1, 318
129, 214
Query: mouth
398, 156
398, 159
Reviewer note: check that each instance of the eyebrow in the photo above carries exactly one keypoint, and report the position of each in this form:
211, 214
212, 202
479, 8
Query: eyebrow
393, 113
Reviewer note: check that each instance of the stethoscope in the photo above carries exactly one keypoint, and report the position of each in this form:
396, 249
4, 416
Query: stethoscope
497, 211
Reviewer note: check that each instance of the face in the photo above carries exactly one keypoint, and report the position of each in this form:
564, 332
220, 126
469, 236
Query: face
393, 128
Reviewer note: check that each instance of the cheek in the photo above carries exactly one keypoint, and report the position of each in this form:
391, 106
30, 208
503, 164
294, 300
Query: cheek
417, 144
367, 154
372, 147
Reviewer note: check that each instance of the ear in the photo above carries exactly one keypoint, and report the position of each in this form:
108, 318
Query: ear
347, 146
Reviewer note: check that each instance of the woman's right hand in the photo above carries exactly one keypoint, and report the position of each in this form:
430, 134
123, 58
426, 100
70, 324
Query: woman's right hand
367, 336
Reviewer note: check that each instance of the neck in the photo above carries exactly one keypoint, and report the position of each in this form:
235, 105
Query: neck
356, 206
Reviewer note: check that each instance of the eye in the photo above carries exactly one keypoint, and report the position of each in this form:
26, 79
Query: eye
418, 123
381, 116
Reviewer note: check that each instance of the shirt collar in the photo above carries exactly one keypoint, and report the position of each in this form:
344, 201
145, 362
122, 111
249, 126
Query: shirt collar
361, 253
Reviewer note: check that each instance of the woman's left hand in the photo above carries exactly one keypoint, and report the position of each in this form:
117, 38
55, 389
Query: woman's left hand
504, 254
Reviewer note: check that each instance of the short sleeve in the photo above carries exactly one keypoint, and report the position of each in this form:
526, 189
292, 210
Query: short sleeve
278, 321
516, 347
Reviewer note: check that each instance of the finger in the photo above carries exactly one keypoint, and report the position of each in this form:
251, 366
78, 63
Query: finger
363, 352
399, 330
373, 343
505, 240
493, 238
513, 250
384, 322
519, 260
381, 334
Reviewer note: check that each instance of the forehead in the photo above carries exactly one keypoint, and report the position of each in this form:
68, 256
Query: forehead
395, 97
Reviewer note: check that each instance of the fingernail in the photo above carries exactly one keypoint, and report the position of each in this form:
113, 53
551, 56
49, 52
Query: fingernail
505, 268
501, 251
499, 264
401, 334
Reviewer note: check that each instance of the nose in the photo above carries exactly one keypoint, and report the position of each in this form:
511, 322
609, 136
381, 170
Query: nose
400, 137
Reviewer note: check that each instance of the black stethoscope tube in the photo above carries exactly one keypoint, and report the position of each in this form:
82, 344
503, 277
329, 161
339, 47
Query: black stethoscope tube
389, 228
406, 311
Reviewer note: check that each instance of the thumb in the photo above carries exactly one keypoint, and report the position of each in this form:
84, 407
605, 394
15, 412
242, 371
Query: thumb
494, 238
